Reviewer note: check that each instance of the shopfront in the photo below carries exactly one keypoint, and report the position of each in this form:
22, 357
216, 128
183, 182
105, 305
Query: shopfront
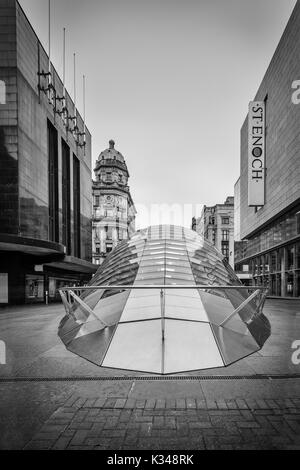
273, 255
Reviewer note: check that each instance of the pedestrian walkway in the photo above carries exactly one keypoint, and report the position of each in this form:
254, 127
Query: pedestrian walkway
171, 424
51, 398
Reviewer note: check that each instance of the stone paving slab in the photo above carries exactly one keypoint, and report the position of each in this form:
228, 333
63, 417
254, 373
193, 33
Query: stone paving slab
189, 423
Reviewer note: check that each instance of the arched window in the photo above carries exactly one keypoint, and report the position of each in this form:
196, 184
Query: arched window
2, 92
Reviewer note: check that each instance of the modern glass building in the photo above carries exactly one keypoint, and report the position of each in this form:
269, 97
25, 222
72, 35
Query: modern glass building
45, 171
270, 234
165, 301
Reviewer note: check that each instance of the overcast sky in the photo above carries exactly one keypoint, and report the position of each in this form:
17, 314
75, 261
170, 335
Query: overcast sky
169, 81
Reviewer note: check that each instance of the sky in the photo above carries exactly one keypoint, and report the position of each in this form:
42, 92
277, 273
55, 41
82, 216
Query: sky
170, 82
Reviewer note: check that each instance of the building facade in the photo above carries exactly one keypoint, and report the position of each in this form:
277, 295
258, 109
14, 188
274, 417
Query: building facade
271, 232
241, 269
113, 208
45, 171
216, 224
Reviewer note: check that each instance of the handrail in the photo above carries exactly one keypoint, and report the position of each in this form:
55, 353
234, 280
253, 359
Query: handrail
163, 286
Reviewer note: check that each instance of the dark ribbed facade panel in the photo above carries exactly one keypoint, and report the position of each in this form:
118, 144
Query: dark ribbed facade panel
45, 193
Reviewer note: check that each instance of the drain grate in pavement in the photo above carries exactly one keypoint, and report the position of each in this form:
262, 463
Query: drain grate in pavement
152, 377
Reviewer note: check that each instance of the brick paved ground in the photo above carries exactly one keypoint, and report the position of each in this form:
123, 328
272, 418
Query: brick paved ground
122, 423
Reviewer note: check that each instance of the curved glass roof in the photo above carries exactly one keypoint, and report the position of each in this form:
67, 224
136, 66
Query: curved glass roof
165, 301
165, 254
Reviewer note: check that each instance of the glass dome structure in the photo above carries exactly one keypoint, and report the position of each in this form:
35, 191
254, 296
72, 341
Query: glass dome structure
165, 301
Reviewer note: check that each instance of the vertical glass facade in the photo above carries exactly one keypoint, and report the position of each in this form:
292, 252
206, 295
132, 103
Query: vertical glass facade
53, 183
279, 270
277, 267
36, 171
66, 203
76, 206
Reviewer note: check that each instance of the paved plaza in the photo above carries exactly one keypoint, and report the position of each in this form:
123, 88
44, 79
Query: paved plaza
52, 399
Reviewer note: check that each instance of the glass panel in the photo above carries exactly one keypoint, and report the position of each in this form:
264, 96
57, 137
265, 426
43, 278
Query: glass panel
151, 269
178, 275
290, 257
289, 279
190, 308
182, 293
218, 309
179, 281
136, 346
92, 346
273, 261
178, 269
110, 309
279, 259
177, 262
234, 345
150, 276
34, 287
189, 346
298, 255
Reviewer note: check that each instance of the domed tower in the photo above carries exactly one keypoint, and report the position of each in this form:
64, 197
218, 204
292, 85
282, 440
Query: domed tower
113, 208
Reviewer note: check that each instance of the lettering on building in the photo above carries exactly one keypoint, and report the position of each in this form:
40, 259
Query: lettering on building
256, 153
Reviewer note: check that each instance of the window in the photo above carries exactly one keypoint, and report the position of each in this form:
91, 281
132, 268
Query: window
290, 257
3, 288
225, 235
225, 220
97, 201
214, 236
34, 287
66, 206
76, 205
297, 222
272, 261
53, 183
97, 250
2, 92
298, 256
108, 232
225, 248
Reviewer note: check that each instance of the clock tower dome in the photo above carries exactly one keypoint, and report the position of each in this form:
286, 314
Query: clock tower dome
113, 208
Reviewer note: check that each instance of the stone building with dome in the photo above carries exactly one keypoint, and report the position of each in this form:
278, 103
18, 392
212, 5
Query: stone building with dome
113, 207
